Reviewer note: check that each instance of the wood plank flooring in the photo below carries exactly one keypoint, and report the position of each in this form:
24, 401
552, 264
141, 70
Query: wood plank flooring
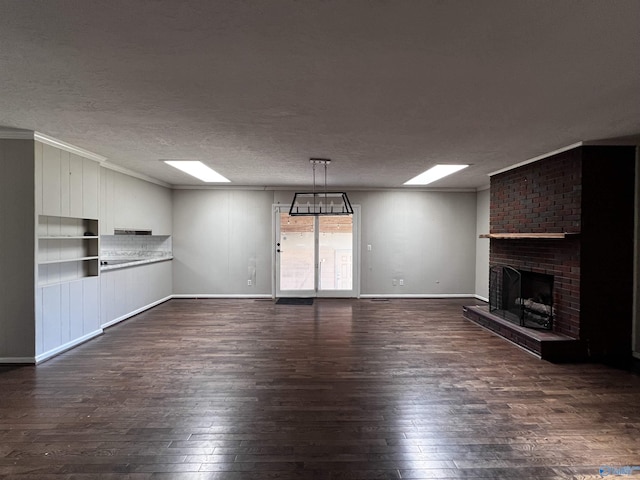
343, 389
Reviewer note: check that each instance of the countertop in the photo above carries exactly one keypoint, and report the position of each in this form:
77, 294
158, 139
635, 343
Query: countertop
107, 264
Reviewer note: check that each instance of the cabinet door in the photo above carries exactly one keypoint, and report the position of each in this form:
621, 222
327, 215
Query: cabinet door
51, 183
90, 306
75, 186
65, 180
51, 318
76, 323
90, 188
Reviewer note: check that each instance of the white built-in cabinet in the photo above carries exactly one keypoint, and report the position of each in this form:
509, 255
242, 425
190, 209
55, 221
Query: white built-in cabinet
127, 291
131, 203
69, 185
67, 300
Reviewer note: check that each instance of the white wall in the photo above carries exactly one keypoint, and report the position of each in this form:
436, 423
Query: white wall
222, 239
482, 244
427, 239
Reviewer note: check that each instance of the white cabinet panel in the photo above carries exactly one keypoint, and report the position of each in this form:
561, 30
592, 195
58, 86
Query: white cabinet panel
128, 202
51, 310
90, 188
64, 183
129, 289
76, 310
75, 191
90, 308
50, 182
65, 313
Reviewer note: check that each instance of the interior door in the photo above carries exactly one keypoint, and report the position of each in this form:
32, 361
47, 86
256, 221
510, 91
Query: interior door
315, 255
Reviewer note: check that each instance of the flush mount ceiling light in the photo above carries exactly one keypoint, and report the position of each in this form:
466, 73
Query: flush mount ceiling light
320, 203
434, 173
198, 170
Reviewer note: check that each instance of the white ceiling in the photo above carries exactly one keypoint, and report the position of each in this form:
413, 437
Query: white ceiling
385, 89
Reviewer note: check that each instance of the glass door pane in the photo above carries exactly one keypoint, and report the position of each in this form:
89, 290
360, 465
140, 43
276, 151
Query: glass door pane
297, 254
335, 262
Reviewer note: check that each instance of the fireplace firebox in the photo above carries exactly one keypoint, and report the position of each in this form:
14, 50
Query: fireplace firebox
521, 297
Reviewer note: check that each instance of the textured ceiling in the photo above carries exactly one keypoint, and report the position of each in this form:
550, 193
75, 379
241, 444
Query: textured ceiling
385, 89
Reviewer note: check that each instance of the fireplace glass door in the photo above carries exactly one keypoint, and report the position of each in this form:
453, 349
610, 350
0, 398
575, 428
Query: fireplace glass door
521, 297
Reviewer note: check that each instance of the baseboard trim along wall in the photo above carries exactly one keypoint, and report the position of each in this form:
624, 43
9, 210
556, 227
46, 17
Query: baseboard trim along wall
67, 346
220, 295
136, 312
418, 295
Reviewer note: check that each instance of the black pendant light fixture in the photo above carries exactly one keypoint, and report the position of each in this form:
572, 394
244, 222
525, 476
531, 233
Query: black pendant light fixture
317, 203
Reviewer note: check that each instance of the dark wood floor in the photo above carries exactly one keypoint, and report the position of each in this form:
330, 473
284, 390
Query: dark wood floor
343, 389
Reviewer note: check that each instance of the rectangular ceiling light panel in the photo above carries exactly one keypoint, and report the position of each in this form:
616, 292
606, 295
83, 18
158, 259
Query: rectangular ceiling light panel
435, 173
198, 170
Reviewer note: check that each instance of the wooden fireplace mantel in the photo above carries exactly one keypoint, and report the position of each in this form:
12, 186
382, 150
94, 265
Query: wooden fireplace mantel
518, 236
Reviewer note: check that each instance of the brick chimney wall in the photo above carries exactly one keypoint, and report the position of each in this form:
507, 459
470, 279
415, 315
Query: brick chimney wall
542, 197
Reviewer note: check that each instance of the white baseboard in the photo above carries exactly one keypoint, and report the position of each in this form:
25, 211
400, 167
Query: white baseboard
418, 295
481, 298
136, 311
67, 346
220, 295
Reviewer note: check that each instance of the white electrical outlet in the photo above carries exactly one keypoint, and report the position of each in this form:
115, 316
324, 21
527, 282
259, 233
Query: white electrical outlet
249, 282
401, 282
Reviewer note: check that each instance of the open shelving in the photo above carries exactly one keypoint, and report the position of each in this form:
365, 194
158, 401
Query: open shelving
68, 249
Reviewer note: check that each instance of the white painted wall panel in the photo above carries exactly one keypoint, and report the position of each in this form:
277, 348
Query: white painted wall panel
221, 237
426, 239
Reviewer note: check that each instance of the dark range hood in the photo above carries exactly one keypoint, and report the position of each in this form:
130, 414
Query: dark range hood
129, 231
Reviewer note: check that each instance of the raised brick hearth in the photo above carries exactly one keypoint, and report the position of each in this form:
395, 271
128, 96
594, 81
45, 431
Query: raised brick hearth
586, 193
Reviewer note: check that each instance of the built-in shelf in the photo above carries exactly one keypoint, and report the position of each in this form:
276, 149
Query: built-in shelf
68, 249
524, 236
67, 260
67, 237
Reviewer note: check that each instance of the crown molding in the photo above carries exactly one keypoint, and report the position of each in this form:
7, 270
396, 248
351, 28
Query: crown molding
131, 173
67, 147
19, 134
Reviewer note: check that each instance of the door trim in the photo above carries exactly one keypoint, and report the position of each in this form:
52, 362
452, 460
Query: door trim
353, 293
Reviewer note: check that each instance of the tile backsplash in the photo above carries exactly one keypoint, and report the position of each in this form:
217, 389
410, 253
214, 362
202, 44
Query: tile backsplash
135, 246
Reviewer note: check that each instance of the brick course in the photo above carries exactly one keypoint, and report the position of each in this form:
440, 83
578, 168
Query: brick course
541, 197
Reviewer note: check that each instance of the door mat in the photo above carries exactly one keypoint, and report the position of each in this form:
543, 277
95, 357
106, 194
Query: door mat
294, 301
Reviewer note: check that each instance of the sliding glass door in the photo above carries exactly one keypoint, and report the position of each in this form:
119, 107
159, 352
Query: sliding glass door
315, 255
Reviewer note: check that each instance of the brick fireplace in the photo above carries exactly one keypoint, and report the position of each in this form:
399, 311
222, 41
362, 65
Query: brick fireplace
571, 216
